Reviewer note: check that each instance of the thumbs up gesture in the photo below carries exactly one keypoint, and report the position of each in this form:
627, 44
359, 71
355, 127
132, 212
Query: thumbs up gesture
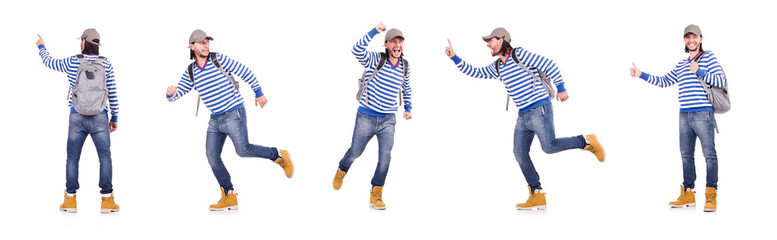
635, 72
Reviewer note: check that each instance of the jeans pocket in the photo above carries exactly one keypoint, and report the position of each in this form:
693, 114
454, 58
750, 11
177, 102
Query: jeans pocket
702, 116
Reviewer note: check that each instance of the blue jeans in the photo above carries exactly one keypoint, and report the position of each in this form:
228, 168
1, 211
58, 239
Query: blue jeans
366, 127
701, 125
539, 121
79, 127
232, 124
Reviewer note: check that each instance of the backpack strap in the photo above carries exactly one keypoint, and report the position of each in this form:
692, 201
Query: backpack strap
214, 59
381, 62
406, 68
99, 60
707, 88
81, 58
703, 84
523, 66
190, 69
698, 57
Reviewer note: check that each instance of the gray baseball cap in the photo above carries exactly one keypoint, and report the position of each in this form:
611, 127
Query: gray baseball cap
91, 35
392, 33
498, 33
198, 35
692, 29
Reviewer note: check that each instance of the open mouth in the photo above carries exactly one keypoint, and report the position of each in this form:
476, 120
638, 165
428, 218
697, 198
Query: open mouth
397, 51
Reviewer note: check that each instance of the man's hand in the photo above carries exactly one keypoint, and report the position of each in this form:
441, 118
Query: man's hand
380, 27
113, 126
449, 50
407, 116
635, 72
171, 90
261, 101
562, 96
40, 41
694, 67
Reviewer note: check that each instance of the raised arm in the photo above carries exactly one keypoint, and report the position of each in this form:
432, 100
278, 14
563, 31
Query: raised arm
59, 65
365, 58
487, 72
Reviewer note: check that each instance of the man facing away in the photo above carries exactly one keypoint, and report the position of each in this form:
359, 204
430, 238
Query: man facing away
535, 112
697, 119
211, 76
377, 105
88, 114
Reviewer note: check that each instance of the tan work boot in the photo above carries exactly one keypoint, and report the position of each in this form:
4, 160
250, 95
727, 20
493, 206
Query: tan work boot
376, 200
338, 181
594, 147
228, 201
285, 162
536, 200
711, 204
69, 205
107, 205
687, 198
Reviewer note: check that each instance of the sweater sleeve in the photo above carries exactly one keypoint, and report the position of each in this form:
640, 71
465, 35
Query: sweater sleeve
365, 58
486, 72
113, 97
59, 65
711, 71
544, 64
184, 86
661, 81
407, 92
242, 71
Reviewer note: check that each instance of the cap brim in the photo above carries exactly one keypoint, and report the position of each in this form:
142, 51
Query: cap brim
98, 44
392, 38
208, 37
487, 38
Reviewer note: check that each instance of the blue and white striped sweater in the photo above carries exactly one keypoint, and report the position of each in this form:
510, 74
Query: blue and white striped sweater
70, 66
518, 82
216, 91
691, 94
383, 90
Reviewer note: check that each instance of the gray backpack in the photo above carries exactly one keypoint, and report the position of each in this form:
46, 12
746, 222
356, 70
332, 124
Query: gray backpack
90, 93
214, 59
547, 83
364, 80
717, 96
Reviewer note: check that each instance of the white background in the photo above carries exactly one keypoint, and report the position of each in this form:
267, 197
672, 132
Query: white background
453, 174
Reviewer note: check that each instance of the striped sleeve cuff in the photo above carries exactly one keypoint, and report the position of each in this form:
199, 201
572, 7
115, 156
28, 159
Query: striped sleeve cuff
456, 59
700, 72
644, 76
373, 32
561, 88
